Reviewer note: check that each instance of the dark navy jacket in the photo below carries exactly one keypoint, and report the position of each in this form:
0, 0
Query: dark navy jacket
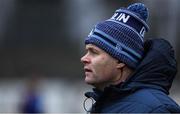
146, 91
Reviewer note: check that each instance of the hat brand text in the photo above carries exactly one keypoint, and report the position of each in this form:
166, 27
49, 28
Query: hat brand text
122, 17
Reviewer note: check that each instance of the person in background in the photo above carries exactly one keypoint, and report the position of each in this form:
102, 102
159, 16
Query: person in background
32, 101
130, 75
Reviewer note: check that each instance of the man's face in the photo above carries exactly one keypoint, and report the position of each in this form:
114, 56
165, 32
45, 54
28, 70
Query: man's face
100, 68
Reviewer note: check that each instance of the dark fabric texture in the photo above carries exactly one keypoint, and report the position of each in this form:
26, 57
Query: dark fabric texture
146, 91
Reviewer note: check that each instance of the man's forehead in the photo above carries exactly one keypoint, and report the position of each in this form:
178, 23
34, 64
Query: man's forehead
94, 47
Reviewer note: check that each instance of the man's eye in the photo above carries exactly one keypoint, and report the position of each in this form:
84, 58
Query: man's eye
94, 52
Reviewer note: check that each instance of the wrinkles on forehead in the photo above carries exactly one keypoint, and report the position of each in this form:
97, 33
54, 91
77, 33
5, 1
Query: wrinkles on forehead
92, 47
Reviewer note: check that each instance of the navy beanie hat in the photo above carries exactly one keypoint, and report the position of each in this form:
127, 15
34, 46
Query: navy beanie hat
122, 35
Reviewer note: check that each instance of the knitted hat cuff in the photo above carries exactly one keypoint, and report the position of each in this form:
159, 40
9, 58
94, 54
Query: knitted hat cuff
119, 55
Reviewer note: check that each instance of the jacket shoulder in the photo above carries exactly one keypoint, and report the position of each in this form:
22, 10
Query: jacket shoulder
144, 101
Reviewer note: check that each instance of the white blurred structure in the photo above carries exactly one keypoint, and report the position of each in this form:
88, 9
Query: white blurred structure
58, 95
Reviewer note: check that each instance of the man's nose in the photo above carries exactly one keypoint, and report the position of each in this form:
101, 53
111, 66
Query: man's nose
85, 59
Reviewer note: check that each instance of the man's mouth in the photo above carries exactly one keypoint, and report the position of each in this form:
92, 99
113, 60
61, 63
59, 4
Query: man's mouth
87, 70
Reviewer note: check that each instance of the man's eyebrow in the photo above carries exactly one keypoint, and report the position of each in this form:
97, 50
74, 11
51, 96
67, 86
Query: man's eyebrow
91, 48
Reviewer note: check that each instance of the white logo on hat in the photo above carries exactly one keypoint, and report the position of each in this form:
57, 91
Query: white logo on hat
91, 33
118, 47
142, 32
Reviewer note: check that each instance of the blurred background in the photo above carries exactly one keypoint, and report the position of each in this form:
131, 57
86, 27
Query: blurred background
41, 42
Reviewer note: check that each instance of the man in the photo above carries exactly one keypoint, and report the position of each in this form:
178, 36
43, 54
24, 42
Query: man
129, 75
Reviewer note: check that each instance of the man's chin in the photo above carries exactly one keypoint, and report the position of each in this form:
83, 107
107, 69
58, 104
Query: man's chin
89, 81
93, 83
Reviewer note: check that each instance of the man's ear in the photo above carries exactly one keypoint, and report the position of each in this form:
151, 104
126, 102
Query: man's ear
120, 65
